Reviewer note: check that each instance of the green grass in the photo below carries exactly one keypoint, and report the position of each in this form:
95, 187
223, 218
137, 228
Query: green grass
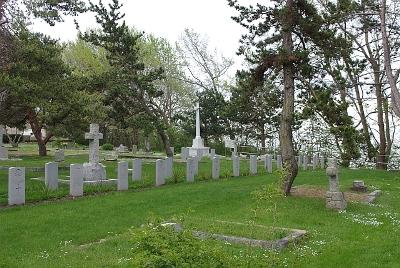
50, 234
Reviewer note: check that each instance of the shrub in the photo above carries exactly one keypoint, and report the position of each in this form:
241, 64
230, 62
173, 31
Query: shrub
107, 147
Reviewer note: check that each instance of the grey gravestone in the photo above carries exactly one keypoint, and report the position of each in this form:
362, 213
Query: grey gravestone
334, 197
279, 161
76, 172
172, 150
3, 150
137, 169
169, 169
134, 149
359, 186
94, 171
305, 162
160, 173
300, 160
268, 162
212, 153
122, 149
16, 186
123, 176
315, 162
236, 166
184, 153
51, 175
215, 167
59, 156
322, 162
196, 164
190, 169
253, 164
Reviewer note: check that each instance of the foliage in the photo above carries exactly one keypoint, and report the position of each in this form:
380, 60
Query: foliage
107, 147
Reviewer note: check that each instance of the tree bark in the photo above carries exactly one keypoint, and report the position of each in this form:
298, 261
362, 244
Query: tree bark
36, 127
287, 117
381, 157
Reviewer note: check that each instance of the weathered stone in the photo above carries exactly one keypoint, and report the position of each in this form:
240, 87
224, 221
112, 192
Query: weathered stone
212, 153
137, 169
322, 162
305, 162
279, 161
359, 186
123, 176
59, 155
122, 149
172, 150
94, 171
334, 197
169, 167
253, 164
196, 164
198, 148
160, 172
268, 163
51, 175
236, 166
3, 150
16, 186
134, 149
76, 180
184, 153
315, 162
190, 169
216, 167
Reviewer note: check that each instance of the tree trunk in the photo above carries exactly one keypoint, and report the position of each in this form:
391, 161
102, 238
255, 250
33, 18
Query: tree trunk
36, 127
165, 139
287, 117
381, 157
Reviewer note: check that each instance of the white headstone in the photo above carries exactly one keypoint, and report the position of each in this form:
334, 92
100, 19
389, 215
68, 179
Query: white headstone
279, 161
212, 153
137, 169
16, 186
76, 180
3, 150
94, 171
236, 166
190, 169
160, 173
169, 169
184, 153
268, 162
123, 176
51, 175
315, 162
216, 167
253, 164
305, 162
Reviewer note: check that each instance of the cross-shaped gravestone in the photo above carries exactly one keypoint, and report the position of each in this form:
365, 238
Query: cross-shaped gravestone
94, 171
94, 137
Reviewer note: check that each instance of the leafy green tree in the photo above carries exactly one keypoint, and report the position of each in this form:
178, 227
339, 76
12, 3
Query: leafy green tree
43, 93
130, 84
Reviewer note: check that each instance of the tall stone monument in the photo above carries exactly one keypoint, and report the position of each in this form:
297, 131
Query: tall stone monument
94, 171
198, 148
3, 150
334, 197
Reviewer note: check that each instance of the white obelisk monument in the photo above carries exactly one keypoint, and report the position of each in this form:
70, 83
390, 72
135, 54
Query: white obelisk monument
198, 148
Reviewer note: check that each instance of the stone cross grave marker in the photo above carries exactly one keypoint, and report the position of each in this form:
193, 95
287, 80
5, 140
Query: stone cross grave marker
94, 171
334, 197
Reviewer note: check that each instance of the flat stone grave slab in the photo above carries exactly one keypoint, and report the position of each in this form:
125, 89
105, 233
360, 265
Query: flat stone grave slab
293, 235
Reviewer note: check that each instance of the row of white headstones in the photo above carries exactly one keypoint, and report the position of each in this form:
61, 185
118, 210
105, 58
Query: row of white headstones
164, 170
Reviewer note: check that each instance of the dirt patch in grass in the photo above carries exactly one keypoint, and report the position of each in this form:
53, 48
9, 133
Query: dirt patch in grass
319, 192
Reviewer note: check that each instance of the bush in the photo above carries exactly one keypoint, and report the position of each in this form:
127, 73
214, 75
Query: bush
107, 147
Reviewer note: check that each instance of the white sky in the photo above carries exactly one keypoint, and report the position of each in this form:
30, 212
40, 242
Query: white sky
168, 18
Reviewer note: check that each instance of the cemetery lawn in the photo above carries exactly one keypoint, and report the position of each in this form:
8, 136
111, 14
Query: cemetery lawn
66, 233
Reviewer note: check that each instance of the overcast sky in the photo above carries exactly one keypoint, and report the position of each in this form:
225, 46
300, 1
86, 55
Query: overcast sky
168, 18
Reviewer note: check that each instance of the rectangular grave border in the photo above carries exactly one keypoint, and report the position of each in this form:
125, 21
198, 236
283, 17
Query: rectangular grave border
279, 244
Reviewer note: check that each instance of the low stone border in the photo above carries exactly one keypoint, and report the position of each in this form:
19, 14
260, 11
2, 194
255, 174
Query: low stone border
279, 244
36, 169
109, 181
372, 196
